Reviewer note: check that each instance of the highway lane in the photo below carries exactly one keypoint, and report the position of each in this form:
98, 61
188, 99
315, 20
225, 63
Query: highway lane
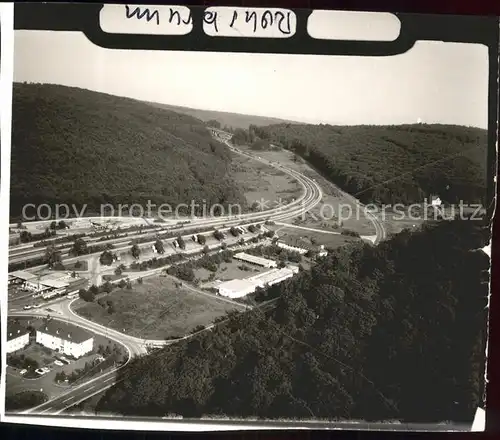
311, 196
82, 392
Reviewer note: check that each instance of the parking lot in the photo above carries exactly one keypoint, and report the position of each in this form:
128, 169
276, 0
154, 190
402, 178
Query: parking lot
46, 358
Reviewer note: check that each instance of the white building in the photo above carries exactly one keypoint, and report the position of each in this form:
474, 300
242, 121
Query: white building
241, 288
65, 338
17, 337
436, 201
259, 261
297, 244
20, 277
37, 284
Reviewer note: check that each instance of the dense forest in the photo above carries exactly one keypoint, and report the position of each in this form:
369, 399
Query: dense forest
72, 145
389, 164
393, 332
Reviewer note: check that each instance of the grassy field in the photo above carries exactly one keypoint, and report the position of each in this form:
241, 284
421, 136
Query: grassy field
156, 309
259, 181
230, 271
328, 240
334, 201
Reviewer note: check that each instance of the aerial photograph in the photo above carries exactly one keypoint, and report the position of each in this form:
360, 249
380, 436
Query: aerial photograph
239, 236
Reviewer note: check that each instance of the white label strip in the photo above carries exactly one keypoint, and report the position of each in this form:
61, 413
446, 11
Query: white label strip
146, 19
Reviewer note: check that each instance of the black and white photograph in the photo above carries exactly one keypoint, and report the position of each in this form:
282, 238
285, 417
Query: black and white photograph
257, 237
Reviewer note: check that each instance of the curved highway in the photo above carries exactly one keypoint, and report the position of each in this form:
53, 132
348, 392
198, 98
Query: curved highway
311, 196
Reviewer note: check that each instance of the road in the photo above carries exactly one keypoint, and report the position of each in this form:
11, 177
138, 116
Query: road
312, 196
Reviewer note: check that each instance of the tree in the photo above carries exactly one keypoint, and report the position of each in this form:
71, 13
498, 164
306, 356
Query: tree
62, 224
252, 229
139, 280
206, 250
53, 225
202, 239
86, 295
118, 271
135, 251
79, 247
52, 255
159, 246
106, 258
107, 287
181, 242
234, 232
218, 235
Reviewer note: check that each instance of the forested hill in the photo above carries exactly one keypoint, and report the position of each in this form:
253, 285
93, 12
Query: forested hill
395, 331
392, 164
72, 145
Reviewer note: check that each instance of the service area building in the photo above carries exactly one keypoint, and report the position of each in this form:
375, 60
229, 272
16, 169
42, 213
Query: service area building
241, 288
252, 259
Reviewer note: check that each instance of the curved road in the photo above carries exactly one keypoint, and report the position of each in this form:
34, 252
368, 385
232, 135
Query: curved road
312, 196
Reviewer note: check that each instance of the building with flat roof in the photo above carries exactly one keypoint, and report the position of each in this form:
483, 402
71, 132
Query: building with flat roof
20, 277
65, 338
39, 284
18, 337
241, 288
259, 261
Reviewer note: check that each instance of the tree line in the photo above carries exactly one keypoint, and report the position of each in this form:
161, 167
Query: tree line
393, 332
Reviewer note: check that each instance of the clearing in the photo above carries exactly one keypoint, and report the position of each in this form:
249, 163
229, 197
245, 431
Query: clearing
259, 181
317, 238
155, 309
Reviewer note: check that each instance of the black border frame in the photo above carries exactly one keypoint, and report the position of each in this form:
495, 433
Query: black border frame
84, 17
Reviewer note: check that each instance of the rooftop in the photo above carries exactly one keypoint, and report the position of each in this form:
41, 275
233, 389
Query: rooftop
253, 258
298, 242
65, 331
270, 275
15, 330
22, 274
238, 285
56, 284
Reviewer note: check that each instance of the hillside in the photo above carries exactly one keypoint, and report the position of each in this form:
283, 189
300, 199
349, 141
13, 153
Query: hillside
393, 332
225, 119
391, 164
72, 145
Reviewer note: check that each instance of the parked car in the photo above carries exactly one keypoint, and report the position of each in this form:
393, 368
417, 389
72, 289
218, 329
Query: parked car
23, 372
27, 307
40, 371
58, 363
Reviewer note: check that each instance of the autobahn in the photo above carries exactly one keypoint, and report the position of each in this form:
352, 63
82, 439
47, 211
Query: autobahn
311, 196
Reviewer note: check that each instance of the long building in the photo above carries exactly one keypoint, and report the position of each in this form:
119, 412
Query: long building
241, 288
18, 337
65, 338
259, 261
297, 244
